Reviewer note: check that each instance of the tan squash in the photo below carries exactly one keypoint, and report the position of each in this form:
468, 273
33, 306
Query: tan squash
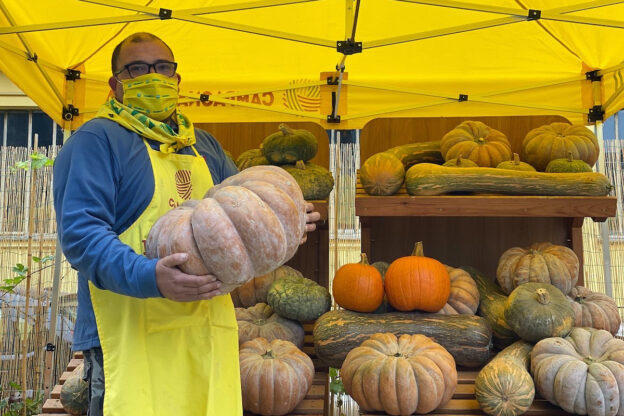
477, 142
260, 321
464, 296
595, 310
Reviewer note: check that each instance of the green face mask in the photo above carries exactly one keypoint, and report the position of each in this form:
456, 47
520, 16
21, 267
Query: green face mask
154, 95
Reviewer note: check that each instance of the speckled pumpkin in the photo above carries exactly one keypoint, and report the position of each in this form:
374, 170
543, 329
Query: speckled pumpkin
411, 374
478, 142
299, 298
382, 174
568, 165
555, 140
315, 181
251, 157
260, 321
582, 373
516, 164
255, 291
464, 296
595, 310
288, 145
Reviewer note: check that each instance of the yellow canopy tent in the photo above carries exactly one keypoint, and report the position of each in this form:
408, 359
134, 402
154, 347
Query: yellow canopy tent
264, 60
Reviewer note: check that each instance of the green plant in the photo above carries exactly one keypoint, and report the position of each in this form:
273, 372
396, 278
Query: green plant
21, 271
336, 387
31, 405
37, 161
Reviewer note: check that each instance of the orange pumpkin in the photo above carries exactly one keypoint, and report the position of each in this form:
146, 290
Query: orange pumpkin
417, 282
358, 286
477, 142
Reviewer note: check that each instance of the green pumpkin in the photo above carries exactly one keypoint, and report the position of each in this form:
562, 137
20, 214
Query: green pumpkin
536, 311
75, 393
515, 164
385, 306
460, 162
249, 158
567, 165
315, 181
382, 174
287, 146
298, 298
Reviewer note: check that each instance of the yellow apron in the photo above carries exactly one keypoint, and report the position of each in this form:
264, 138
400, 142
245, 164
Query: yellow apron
166, 358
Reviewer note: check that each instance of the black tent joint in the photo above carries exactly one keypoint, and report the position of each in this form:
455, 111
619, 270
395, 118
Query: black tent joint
348, 47
596, 113
50, 347
594, 75
462, 97
165, 14
534, 14
333, 117
72, 74
70, 112
204, 97
332, 80
32, 57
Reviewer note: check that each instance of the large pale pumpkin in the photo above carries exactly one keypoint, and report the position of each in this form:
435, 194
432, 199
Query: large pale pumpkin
358, 286
582, 373
554, 141
399, 376
541, 262
595, 310
275, 376
382, 174
255, 291
417, 282
247, 226
260, 321
477, 142
464, 295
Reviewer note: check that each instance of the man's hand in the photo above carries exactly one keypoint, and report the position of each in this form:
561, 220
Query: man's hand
311, 218
181, 287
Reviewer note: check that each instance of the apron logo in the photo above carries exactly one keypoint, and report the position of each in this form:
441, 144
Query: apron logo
183, 183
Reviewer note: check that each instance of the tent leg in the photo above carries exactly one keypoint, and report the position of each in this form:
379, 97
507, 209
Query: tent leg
604, 226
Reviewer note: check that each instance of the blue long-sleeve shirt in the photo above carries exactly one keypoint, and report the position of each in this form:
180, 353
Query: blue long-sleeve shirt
103, 181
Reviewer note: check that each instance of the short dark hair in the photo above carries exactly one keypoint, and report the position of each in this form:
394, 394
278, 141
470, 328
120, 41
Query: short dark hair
135, 38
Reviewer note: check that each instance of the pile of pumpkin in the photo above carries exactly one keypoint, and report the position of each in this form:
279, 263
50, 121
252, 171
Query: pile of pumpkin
292, 150
405, 362
556, 159
270, 310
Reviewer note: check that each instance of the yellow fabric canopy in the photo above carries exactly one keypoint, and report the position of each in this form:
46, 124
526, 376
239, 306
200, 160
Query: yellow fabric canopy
268, 60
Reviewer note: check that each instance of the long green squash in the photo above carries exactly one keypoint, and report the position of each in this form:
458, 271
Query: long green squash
431, 179
492, 307
467, 338
504, 387
413, 153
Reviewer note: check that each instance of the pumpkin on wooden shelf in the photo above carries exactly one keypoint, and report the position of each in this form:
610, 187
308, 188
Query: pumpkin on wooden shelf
464, 295
477, 142
540, 262
260, 321
315, 181
382, 268
417, 282
255, 291
515, 164
568, 165
251, 157
554, 141
504, 387
288, 145
595, 310
299, 298
275, 376
358, 286
75, 392
460, 162
420, 152
539, 310
382, 174
248, 225
582, 373
399, 376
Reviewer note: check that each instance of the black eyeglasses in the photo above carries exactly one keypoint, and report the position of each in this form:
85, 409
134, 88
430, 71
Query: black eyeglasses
136, 69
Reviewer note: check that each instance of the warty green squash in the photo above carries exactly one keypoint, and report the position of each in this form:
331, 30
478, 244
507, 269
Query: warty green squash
568, 165
315, 181
299, 298
249, 158
288, 145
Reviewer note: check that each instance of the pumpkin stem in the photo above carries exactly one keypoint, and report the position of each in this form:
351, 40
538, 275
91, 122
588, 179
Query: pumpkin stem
481, 140
286, 131
543, 296
516, 159
570, 158
268, 355
458, 161
300, 165
418, 250
364, 259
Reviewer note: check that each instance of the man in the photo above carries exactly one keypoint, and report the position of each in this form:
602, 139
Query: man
162, 342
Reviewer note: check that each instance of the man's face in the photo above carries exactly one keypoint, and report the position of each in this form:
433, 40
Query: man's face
149, 51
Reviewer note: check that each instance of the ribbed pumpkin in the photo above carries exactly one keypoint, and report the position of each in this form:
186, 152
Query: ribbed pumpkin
464, 295
476, 141
260, 321
411, 374
382, 174
582, 373
541, 262
595, 310
417, 282
288, 145
248, 225
555, 140
460, 162
358, 286
255, 291
299, 298
516, 164
275, 376
568, 165
74, 395
315, 181
504, 387
538, 310
251, 157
